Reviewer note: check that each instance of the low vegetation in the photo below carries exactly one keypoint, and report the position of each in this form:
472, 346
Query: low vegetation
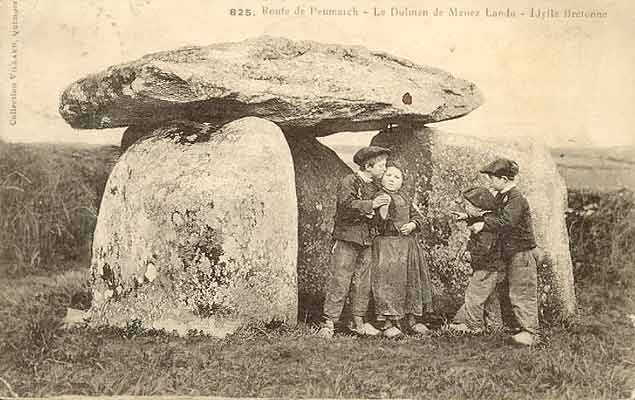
49, 197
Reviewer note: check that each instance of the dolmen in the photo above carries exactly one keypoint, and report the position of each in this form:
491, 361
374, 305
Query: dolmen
219, 212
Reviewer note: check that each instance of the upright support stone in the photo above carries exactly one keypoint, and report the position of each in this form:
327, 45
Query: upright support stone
198, 231
317, 170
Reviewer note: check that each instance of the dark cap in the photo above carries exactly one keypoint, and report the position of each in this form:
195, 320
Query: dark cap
501, 167
480, 197
366, 153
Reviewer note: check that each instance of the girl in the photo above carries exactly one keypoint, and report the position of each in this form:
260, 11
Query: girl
400, 280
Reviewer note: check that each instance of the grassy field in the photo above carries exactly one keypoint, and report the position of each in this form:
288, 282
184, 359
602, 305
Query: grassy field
597, 169
592, 357
49, 197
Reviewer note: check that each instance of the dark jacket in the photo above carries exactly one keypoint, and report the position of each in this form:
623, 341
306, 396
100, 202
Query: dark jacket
485, 251
512, 221
354, 210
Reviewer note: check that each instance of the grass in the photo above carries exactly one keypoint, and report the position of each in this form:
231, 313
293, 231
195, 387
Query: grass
596, 168
49, 197
590, 358
605, 179
602, 238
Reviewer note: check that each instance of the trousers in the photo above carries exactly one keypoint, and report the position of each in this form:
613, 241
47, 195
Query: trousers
479, 310
519, 294
349, 274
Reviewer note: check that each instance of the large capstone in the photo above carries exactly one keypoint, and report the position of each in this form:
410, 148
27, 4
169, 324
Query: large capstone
197, 231
305, 86
318, 171
440, 165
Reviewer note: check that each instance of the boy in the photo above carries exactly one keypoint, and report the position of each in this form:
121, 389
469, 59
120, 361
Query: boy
485, 260
513, 223
351, 253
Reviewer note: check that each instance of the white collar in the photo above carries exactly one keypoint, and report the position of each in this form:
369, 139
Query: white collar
507, 188
364, 177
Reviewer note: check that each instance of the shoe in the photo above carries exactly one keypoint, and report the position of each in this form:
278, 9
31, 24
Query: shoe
419, 329
326, 330
392, 333
524, 338
366, 330
463, 329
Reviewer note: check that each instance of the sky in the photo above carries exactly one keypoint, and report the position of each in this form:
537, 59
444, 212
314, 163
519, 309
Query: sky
563, 82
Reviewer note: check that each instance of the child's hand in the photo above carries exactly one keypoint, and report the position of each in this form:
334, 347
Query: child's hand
381, 200
383, 211
477, 227
475, 213
406, 229
460, 216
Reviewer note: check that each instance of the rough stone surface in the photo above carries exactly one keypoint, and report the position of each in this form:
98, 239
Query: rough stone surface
318, 170
198, 231
314, 88
439, 165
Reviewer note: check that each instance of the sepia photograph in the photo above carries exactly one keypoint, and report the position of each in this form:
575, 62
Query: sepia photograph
317, 199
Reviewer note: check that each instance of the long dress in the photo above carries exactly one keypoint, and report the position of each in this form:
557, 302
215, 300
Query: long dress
400, 278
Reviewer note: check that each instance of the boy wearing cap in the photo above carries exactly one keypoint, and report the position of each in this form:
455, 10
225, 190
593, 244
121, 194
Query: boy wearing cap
485, 260
351, 253
513, 223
